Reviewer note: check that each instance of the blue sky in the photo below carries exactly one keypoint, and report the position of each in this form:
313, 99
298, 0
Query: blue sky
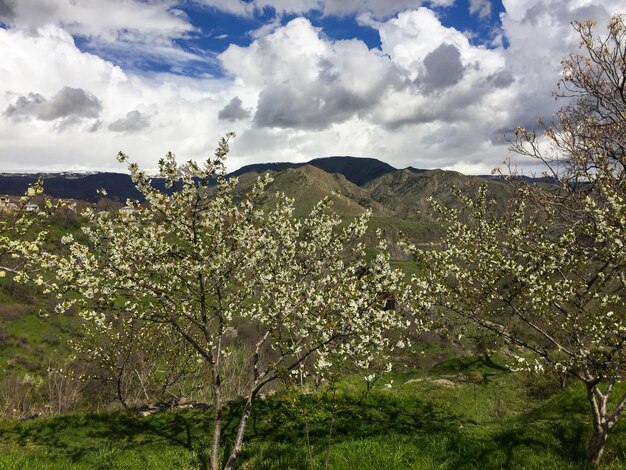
422, 83
220, 29
215, 30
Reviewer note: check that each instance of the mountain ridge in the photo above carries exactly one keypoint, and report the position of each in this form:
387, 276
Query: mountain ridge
367, 169
355, 184
73, 185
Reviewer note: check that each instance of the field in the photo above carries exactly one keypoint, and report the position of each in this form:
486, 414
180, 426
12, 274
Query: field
461, 413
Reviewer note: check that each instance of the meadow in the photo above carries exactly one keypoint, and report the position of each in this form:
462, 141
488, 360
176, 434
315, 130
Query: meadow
459, 413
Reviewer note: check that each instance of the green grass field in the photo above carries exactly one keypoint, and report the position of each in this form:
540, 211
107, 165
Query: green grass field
465, 413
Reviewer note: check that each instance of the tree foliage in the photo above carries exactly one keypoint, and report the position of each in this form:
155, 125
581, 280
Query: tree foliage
20, 240
220, 272
549, 277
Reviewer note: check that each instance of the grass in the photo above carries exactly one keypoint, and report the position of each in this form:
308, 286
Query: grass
30, 339
489, 422
31, 333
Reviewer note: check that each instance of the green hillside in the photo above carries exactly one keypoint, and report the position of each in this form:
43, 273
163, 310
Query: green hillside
397, 196
309, 184
406, 192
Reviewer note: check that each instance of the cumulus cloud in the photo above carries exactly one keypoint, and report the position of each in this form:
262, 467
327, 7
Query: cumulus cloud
305, 81
540, 34
128, 31
312, 90
134, 121
233, 111
282, 106
69, 103
500, 79
434, 58
183, 111
6, 11
111, 20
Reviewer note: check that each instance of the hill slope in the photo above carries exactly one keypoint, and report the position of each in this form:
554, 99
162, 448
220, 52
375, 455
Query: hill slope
406, 192
308, 185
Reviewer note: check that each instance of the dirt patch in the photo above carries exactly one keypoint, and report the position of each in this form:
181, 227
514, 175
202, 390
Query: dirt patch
14, 311
445, 383
414, 381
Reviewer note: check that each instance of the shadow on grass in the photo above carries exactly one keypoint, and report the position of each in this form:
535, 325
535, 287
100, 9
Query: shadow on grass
552, 435
288, 428
463, 365
321, 422
278, 420
72, 437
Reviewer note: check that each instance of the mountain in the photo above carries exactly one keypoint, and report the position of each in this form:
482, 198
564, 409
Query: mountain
398, 199
75, 185
358, 170
358, 183
263, 167
308, 184
406, 192
119, 186
72, 186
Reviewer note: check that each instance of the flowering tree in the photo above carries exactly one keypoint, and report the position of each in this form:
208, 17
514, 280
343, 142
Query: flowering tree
549, 278
19, 242
220, 271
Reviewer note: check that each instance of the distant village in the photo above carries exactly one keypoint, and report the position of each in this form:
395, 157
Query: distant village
7, 204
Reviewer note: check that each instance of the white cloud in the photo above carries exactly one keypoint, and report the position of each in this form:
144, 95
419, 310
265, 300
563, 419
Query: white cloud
323, 97
183, 112
307, 82
411, 118
130, 31
427, 98
540, 35
233, 111
265, 29
376, 8
411, 36
111, 20
67, 103
134, 121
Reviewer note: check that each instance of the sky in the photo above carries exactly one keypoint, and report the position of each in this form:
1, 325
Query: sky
422, 83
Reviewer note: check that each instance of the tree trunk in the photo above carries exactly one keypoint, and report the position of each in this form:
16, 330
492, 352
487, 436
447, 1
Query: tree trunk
595, 449
259, 383
230, 464
120, 394
217, 429
601, 425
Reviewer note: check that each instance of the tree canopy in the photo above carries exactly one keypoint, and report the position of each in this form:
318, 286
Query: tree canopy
549, 276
